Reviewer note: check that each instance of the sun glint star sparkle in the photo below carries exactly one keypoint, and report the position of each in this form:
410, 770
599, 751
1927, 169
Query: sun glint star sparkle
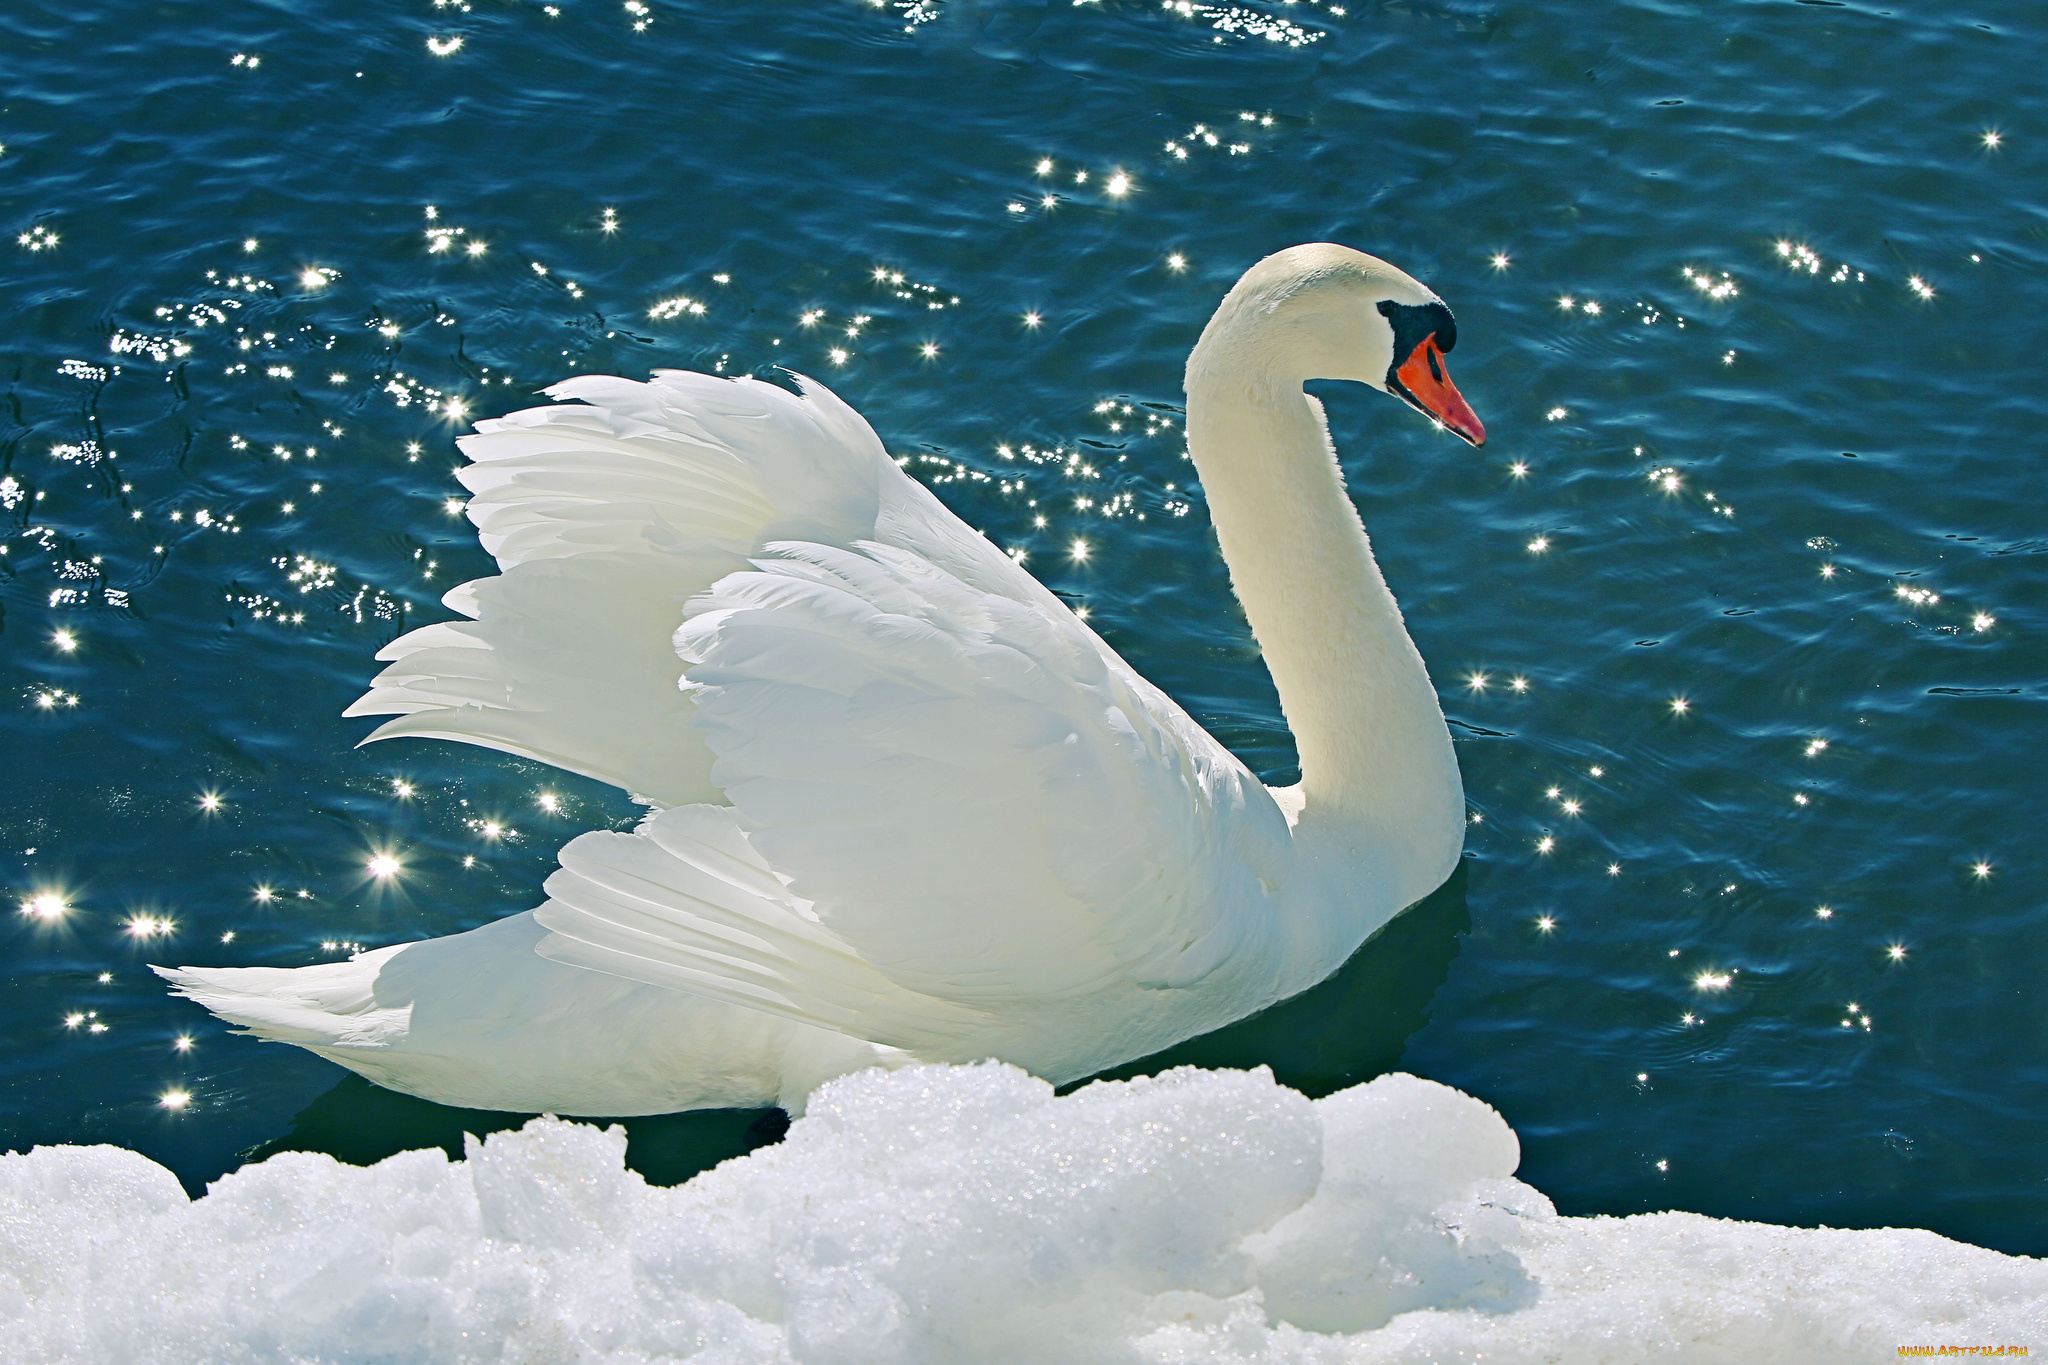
46, 906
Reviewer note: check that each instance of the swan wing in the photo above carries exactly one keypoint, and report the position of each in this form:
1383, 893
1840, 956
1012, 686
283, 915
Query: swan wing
966, 785
605, 517
686, 901
966, 796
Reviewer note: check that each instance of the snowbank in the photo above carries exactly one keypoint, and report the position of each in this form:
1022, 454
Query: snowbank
943, 1214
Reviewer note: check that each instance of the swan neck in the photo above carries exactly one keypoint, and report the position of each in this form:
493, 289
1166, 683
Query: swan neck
1374, 752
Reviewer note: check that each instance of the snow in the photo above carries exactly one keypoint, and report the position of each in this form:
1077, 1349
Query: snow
939, 1214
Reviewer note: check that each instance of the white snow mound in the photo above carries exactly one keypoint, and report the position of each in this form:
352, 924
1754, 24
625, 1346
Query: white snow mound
943, 1214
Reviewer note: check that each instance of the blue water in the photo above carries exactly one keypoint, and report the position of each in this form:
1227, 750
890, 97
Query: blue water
1779, 459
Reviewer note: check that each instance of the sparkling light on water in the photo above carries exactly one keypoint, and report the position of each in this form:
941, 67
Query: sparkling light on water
48, 907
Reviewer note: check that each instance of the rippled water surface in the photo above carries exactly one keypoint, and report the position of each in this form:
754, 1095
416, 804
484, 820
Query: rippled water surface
1737, 617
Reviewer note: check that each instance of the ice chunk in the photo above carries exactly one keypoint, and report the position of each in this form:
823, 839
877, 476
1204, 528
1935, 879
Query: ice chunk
939, 1214
1371, 1243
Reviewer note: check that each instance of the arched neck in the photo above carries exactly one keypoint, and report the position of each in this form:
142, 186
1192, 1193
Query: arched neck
1375, 755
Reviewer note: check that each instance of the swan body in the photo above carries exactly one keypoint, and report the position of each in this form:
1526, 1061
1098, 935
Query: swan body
905, 804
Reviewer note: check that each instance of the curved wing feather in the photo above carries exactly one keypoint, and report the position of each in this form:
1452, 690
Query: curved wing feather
971, 791
604, 520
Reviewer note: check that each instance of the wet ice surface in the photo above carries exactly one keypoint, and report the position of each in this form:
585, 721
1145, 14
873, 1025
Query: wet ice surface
963, 1214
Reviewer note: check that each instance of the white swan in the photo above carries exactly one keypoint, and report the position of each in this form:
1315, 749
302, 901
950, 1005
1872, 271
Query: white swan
907, 805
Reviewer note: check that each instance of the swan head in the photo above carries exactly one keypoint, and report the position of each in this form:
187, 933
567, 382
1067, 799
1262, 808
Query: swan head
1324, 311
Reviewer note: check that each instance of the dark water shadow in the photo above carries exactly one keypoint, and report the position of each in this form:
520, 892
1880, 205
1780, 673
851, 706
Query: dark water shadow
1345, 1031
1352, 1026
362, 1124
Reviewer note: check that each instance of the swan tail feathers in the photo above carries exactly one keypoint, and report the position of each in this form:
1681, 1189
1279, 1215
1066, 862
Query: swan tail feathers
687, 903
329, 1005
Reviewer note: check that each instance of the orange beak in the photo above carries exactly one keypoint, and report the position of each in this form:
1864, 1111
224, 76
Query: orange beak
1424, 382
